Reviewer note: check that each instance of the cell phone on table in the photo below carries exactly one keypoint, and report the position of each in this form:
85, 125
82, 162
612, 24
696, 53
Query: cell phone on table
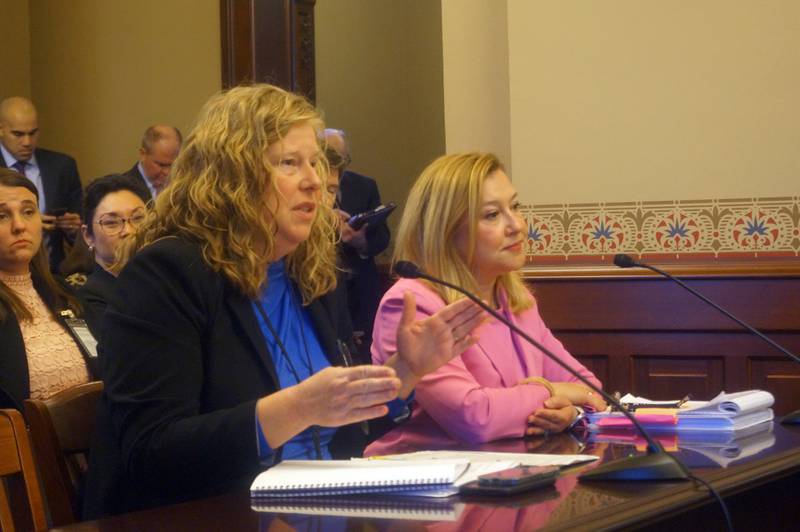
511, 481
58, 211
375, 216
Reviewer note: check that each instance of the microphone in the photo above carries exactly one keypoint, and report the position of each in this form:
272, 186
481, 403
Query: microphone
626, 261
655, 465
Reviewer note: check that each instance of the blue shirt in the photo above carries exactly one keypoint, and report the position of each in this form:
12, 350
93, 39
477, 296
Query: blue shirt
293, 325
32, 172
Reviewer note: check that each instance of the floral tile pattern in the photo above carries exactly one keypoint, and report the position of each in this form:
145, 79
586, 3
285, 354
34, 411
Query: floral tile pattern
716, 230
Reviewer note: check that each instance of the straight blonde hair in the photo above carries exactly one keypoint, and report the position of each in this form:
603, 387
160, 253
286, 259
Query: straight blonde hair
446, 194
218, 188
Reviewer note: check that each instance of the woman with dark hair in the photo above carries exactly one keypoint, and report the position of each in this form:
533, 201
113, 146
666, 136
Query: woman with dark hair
38, 355
113, 207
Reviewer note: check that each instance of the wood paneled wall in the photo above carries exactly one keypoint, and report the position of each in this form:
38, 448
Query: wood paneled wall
269, 41
644, 334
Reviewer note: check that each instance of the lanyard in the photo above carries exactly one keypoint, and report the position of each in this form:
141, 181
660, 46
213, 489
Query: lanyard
287, 358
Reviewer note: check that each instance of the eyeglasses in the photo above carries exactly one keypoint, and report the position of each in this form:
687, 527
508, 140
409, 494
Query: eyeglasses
112, 224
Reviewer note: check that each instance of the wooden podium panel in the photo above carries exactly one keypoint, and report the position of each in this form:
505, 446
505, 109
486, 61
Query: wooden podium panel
646, 335
780, 376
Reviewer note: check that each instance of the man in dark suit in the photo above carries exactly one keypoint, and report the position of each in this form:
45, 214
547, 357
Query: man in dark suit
54, 174
160, 146
356, 194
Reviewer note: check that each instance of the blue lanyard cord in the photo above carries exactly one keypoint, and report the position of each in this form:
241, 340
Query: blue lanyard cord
285, 354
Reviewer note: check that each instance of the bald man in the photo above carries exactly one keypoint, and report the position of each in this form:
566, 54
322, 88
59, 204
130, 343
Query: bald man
159, 149
356, 194
54, 174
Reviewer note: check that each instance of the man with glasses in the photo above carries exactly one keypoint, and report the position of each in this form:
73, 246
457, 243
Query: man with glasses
160, 146
54, 174
356, 194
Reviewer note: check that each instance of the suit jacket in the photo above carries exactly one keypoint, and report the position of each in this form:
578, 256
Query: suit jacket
475, 397
95, 293
184, 362
62, 189
15, 381
359, 194
137, 176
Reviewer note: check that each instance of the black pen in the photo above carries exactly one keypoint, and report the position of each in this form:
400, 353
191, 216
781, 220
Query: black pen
348, 362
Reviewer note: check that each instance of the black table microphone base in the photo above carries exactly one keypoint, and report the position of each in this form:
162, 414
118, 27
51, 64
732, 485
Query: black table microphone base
792, 418
653, 466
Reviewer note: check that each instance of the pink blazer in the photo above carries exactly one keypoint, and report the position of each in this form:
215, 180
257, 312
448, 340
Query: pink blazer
475, 397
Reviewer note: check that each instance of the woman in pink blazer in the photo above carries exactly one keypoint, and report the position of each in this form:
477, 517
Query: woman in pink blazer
462, 223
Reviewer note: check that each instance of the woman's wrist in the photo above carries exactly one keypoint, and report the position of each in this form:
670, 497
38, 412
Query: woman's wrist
408, 378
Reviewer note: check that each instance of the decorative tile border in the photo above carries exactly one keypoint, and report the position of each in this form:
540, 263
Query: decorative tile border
703, 230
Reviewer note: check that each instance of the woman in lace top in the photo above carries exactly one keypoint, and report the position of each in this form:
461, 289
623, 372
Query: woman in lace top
38, 356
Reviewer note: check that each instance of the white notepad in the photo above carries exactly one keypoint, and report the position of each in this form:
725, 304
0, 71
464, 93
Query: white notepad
406, 508
294, 478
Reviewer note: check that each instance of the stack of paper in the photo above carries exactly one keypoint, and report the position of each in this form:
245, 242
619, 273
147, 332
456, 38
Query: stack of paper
431, 474
726, 412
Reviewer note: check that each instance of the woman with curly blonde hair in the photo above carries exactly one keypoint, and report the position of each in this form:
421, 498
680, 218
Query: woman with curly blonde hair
462, 223
223, 349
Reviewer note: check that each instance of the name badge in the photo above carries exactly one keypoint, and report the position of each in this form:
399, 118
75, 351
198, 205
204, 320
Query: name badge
80, 331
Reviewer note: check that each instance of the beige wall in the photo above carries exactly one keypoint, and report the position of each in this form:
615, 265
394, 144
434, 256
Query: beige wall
379, 77
15, 49
651, 100
103, 71
476, 83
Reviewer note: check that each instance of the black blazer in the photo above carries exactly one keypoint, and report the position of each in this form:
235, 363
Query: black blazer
184, 362
62, 189
135, 175
359, 194
95, 294
15, 381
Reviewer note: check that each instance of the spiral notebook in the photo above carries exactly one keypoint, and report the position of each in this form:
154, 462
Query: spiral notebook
294, 478
358, 506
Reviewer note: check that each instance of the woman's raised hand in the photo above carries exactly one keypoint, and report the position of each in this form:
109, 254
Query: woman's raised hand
425, 345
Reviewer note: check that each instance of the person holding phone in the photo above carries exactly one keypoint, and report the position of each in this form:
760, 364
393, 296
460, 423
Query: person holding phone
38, 355
357, 194
462, 223
54, 174
224, 348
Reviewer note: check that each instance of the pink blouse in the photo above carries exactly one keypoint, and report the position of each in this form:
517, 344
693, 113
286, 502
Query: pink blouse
475, 397
55, 362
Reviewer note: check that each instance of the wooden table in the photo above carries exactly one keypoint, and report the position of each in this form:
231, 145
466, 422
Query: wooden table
761, 491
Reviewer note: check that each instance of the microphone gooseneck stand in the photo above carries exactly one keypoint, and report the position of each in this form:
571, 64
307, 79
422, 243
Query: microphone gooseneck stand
626, 261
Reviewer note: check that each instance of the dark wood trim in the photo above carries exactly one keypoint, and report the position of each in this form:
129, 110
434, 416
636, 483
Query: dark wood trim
721, 270
269, 41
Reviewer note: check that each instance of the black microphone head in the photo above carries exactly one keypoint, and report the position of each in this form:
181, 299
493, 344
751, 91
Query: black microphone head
407, 269
624, 261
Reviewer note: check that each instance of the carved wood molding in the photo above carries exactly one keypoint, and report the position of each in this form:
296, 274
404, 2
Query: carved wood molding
269, 41
693, 270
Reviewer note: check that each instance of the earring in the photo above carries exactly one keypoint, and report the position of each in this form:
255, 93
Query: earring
91, 248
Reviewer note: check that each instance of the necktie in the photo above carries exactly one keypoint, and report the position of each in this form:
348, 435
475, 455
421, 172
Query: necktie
19, 166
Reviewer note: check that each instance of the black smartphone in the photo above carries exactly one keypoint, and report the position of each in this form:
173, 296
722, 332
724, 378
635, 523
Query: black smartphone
373, 217
58, 211
511, 481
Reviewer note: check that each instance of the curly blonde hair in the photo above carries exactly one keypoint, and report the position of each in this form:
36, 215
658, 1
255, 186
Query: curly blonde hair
448, 192
218, 188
